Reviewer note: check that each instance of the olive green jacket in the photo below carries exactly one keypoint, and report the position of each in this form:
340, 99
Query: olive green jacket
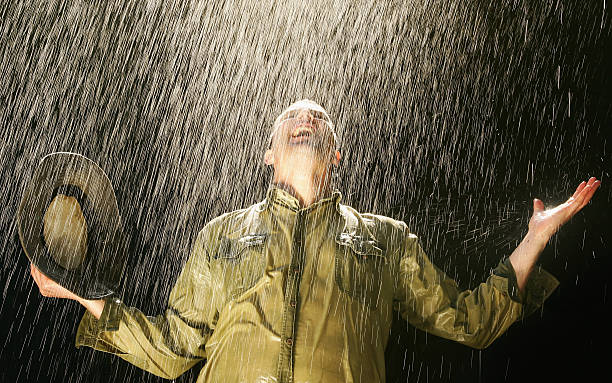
279, 293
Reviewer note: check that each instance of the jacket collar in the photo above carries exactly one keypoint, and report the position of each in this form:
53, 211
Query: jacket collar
352, 229
279, 198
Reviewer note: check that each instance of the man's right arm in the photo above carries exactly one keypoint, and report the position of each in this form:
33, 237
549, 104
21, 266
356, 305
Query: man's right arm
166, 345
50, 288
94, 307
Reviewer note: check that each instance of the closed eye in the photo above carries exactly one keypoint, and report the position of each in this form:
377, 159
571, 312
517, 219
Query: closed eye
317, 115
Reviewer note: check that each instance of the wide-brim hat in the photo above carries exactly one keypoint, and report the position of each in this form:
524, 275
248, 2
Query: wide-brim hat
98, 274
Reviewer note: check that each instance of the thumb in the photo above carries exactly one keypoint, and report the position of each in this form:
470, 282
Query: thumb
538, 205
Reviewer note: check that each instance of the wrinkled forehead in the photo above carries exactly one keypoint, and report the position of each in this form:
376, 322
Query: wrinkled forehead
305, 104
301, 105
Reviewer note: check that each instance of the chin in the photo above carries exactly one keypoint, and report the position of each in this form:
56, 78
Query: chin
307, 151
301, 156
313, 145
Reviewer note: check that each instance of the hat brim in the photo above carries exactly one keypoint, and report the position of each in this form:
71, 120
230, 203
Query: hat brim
99, 275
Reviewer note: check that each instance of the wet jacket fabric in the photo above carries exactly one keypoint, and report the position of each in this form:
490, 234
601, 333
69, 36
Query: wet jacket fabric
279, 293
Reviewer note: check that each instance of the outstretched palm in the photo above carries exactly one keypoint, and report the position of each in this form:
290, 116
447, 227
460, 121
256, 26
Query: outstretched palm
546, 222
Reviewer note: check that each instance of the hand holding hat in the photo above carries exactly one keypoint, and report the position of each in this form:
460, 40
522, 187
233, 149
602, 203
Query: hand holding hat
49, 288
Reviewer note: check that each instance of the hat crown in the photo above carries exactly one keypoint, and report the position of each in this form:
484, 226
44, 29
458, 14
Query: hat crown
65, 231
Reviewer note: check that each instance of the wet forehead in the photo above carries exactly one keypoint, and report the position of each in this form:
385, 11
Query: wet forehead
304, 104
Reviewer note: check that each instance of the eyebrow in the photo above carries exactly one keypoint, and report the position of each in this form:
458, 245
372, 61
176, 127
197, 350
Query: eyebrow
316, 114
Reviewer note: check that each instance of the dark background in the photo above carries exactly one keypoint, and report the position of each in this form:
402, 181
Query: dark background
454, 115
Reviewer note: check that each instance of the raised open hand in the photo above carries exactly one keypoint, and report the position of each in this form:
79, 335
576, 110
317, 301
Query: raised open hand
545, 223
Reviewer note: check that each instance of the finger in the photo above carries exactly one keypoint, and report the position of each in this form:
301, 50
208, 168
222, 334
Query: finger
590, 193
34, 273
578, 189
592, 181
41, 279
585, 195
580, 198
37, 275
586, 189
538, 205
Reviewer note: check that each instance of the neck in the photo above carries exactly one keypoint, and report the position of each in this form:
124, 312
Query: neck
307, 185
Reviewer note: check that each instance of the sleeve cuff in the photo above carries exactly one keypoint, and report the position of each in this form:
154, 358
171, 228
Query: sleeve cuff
90, 327
539, 287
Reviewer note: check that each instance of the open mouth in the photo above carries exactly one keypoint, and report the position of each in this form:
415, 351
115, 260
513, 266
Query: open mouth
301, 133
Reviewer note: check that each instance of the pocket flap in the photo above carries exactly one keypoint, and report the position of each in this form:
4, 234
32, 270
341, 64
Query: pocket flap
360, 245
232, 248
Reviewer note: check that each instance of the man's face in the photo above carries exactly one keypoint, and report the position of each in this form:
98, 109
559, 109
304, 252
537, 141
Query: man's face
306, 127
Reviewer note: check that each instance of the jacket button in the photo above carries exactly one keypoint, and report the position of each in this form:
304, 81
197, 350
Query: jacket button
293, 303
289, 341
296, 270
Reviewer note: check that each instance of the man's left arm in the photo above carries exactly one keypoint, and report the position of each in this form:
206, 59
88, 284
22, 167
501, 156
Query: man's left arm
431, 301
543, 225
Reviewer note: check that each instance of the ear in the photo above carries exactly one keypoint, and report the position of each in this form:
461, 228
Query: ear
336, 158
269, 157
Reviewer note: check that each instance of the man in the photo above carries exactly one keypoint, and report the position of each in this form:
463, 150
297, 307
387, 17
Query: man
300, 288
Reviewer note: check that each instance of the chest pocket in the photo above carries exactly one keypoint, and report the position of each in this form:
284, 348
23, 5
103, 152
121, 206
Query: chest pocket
359, 268
240, 263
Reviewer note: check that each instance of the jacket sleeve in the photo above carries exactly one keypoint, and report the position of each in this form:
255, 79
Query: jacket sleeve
431, 301
166, 345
